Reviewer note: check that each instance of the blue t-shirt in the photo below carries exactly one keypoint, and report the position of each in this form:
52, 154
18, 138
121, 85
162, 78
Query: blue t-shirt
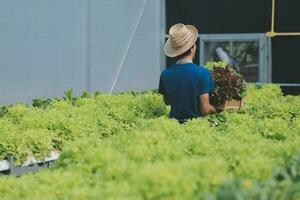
183, 84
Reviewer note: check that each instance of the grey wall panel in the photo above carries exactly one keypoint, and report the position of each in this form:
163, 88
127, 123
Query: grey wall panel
141, 69
113, 24
49, 46
41, 48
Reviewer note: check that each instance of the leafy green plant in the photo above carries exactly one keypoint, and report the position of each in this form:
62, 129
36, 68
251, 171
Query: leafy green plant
126, 143
284, 184
67, 120
69, 97
85, 94
41, 103
97, 93
3, 111
211, 65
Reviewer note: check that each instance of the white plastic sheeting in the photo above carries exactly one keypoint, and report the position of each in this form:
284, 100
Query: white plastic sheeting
49, 46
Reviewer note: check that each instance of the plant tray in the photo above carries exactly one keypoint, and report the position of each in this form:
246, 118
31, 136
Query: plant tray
31, 165
233, 104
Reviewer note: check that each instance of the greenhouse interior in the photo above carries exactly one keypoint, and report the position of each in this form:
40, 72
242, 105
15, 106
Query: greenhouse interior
149, 99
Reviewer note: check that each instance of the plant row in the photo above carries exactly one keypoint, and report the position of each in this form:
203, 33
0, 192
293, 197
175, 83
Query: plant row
248, 154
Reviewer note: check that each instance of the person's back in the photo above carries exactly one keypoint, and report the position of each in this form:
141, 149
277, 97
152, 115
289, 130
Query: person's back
184, 85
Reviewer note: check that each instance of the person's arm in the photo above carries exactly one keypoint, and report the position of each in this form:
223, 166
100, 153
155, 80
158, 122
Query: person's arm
205, 107
162, 91
166, 101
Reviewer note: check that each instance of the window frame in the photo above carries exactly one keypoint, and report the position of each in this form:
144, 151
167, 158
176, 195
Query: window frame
265, 52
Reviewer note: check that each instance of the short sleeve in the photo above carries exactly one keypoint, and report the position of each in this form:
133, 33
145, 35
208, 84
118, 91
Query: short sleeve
161, 88
207, 84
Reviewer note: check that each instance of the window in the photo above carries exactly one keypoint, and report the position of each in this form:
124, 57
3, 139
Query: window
249, 54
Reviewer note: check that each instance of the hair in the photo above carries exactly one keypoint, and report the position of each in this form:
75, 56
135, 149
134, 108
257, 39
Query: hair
188, 52
181, 56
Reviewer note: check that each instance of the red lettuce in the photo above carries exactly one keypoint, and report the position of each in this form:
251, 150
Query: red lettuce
228, 84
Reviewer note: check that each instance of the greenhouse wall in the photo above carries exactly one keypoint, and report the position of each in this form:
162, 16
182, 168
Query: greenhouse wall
49, 46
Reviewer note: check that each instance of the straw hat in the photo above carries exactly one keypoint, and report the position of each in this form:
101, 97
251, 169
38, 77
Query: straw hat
182, 38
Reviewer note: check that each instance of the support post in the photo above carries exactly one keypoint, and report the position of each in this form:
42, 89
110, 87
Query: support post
87, 56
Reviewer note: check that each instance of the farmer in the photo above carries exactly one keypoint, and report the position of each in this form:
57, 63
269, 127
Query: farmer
184, 85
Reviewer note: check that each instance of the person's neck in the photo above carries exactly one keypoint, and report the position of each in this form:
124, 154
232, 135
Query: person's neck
187, 59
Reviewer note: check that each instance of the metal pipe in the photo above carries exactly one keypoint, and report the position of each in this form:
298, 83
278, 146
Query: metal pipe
272, 33
273, 17
280, 84
288, 34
